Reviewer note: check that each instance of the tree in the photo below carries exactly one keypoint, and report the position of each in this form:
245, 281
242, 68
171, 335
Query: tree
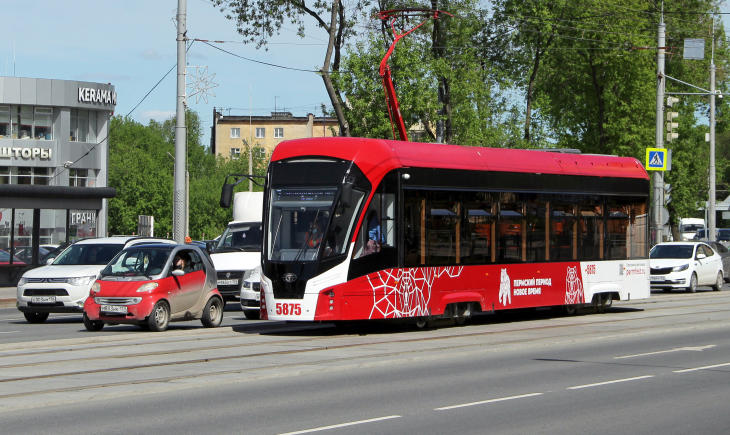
257, 21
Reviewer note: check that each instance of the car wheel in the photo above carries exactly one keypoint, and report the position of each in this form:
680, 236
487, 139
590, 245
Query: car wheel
212, 313
36, 317
92, 325
692, 284
718, 282
252, 314
159, 317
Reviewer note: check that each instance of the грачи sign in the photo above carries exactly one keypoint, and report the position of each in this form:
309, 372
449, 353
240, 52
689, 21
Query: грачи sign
91, 95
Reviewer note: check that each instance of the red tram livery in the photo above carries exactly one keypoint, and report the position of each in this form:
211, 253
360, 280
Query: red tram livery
377, 229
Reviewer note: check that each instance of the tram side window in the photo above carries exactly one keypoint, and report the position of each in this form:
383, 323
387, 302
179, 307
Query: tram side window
444, 236
627, 228
414, 226
534, 238
563, 228
619, 228
510, 227
590, 228
480, 227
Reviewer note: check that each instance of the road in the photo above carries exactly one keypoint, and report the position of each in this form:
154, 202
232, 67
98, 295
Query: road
655, 366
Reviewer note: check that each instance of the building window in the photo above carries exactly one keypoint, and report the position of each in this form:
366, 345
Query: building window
84, 126
80, 177
259, 153
279, 133
42, 128
4, 175
5, 122
235, 133
28, 175
260, 132
235, 153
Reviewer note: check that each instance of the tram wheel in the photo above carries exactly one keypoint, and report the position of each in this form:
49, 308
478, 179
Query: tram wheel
570, 310
421, 322
604, 301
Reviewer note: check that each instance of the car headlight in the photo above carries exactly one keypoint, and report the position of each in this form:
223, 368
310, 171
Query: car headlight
247, 284
256, 270
23, 281
95, 288
680, 268
147, 287
82, 280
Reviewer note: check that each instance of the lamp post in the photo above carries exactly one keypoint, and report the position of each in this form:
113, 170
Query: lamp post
186, 215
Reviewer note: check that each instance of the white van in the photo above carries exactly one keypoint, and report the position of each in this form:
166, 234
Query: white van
688, 227
238, 251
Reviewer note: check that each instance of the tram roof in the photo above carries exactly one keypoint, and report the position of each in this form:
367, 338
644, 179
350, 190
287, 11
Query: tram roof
376, 157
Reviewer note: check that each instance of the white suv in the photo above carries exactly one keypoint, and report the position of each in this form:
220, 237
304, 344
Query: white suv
63, 286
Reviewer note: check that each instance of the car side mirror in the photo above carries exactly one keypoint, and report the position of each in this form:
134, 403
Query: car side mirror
178, 272
701, 256
50, 261
209, 247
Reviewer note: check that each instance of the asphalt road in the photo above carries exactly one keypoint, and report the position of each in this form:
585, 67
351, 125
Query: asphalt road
656, 366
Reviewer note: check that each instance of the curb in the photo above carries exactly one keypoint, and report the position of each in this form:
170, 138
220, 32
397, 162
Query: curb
8, 303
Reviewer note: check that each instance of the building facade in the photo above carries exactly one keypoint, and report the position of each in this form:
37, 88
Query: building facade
231, 134
54, 158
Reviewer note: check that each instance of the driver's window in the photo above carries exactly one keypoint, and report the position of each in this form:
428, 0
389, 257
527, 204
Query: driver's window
708, 251
197, 262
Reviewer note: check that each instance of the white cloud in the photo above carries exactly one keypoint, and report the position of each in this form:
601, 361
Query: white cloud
157, 115
150, 54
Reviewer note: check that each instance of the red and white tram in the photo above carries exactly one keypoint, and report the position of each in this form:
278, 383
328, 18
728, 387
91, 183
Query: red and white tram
377, 229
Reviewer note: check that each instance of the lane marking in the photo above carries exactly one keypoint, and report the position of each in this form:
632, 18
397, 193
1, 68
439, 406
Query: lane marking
702, 368
9, 332
610, 382
501, 399
678, 349
335, 426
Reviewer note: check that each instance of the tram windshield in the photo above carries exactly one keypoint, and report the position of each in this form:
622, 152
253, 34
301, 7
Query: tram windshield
297, 222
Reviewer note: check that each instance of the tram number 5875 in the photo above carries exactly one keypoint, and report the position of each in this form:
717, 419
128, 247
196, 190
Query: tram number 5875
289, 309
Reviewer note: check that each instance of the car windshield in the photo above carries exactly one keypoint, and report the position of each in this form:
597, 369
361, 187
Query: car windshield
138, 262
241, 237
671, 251
724, 234
88, 253
297, 220
692, 228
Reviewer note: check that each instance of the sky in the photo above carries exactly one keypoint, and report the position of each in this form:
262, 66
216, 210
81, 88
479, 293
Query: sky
131, 44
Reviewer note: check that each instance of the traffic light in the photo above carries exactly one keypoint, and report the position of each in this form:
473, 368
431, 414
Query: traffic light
667, 196
671, 116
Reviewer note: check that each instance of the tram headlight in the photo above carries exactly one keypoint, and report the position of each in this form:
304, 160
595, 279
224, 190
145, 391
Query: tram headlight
680, 268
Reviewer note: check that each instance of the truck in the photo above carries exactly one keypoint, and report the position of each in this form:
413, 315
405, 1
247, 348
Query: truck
688, 227
237, 253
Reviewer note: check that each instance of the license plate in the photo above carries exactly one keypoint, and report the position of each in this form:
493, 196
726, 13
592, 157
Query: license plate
258, 297
43, 299
113, 308
227, 282
658, 278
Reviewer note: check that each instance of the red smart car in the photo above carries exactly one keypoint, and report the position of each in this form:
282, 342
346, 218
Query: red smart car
152, 285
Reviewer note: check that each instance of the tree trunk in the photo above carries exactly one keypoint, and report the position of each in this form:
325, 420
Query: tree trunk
530, 88
437, 42
334, 98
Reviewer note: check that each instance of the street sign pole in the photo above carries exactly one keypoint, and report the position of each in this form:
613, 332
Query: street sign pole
658, 178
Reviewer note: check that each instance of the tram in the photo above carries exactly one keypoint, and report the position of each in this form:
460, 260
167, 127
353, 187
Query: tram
359, 229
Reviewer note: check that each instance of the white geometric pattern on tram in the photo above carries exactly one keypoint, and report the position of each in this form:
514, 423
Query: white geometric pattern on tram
573, 287
406, 292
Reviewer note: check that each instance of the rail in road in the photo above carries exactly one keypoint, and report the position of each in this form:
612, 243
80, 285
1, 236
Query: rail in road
108, 365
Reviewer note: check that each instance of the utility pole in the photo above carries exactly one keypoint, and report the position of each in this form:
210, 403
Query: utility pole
657, 200
180, 190
711, 211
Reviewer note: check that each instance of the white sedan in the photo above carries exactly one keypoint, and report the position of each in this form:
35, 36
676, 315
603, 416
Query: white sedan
685, 265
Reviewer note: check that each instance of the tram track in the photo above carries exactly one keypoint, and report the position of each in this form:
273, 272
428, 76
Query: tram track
282, 342
574, 337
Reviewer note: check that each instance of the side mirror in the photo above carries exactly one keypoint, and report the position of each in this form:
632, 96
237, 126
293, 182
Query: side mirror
178, 272
700, 256
226, 195
209, 246
50, 261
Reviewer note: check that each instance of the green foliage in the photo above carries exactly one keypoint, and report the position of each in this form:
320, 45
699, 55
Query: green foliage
141, 170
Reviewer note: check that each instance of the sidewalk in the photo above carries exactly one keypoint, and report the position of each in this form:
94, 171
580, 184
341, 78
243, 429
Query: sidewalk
7, 297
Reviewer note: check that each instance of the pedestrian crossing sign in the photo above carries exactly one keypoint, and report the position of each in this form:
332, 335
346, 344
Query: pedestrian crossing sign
656, 159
